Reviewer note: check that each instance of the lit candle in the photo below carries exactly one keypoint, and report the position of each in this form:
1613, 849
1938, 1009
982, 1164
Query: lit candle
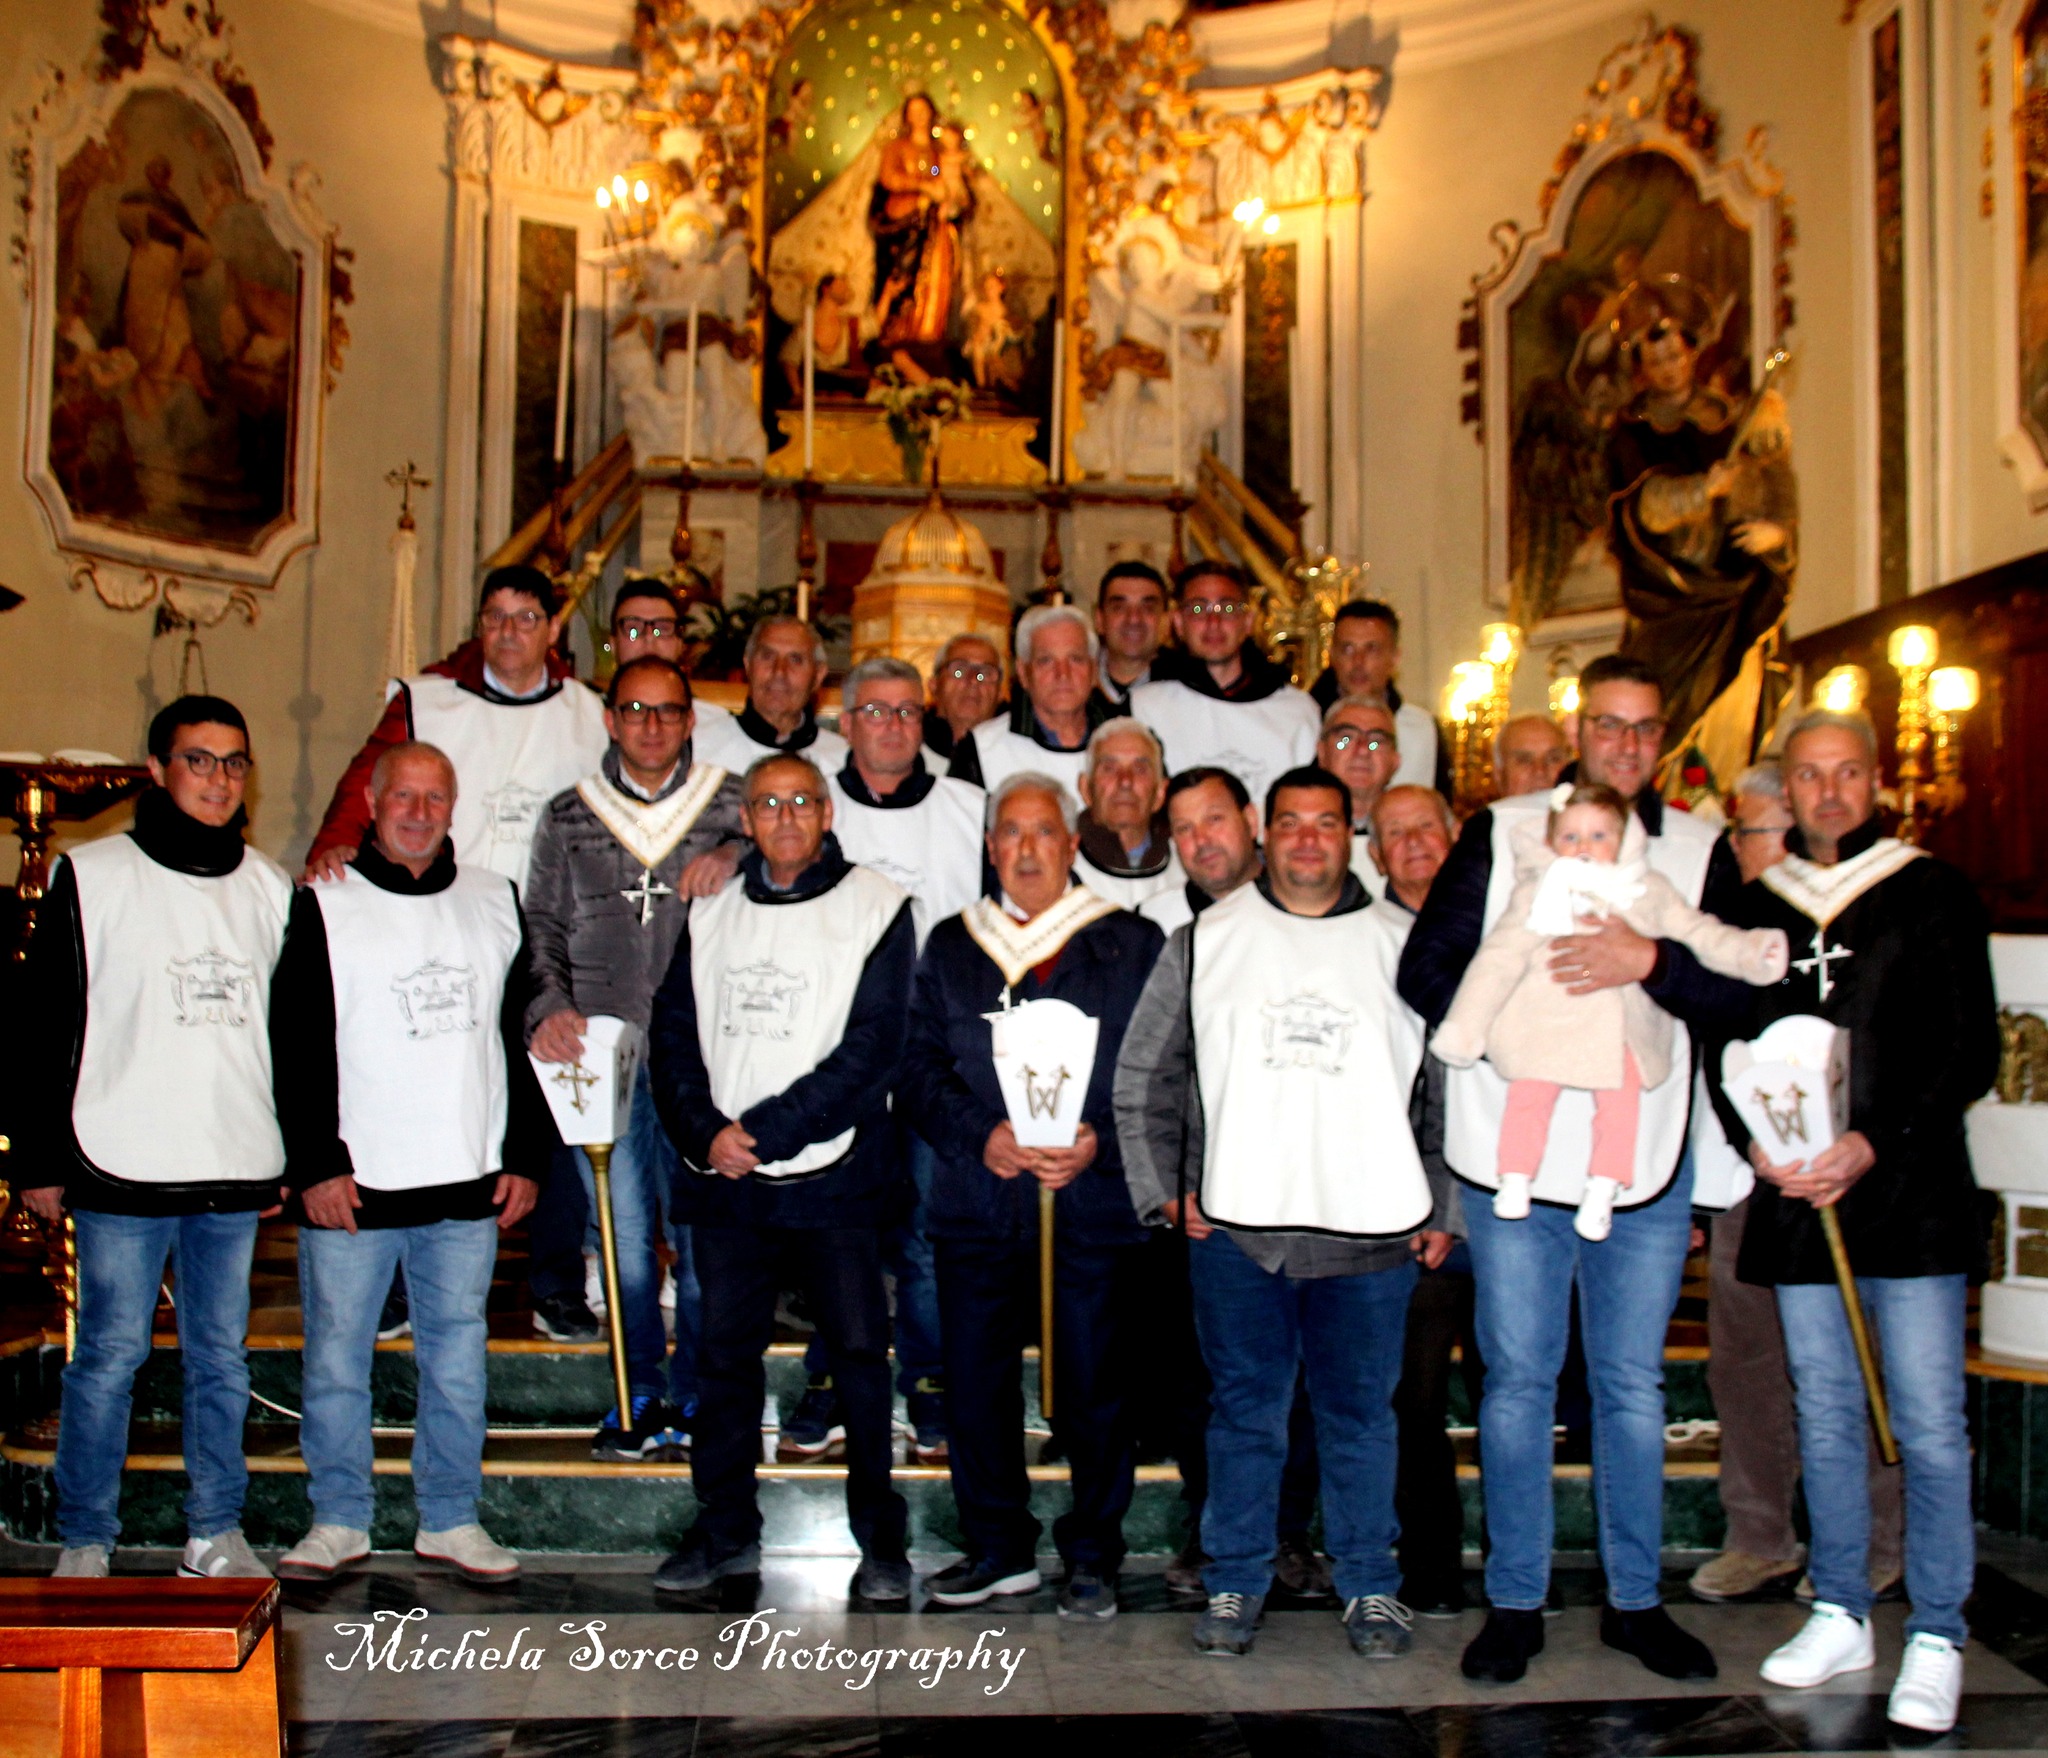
1057, 457
1173, 391
690, 391
810, 381
562, 376
803, 599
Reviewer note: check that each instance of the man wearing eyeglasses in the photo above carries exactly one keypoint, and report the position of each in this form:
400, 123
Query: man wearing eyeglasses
143, 1081
775, 1042
615, 862
1524, 1271
967, 688
1057, 705
1226, 704
1365, 655
509, 714
1362, 749
785, 664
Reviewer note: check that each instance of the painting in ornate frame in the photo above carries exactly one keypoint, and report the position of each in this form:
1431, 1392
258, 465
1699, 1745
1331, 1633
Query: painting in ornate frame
2019, 64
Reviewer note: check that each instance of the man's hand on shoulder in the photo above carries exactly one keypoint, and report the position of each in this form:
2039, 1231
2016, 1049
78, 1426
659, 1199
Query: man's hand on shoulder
329, 864
707, 875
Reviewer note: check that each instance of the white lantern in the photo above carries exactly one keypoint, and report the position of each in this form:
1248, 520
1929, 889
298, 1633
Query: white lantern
1790, 1086
592, 1097
1045, 1057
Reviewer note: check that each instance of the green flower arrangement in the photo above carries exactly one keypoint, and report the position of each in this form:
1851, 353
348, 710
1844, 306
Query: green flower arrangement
917, 414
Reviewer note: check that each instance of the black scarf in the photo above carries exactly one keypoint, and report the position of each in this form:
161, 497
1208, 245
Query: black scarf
819, 877
613, 773
1259, 677
173, 838
757, 728
910, 791
1106, 850
388, 875
1354, 896
1852, 845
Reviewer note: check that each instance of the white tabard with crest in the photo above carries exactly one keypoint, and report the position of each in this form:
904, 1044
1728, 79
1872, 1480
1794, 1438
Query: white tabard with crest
509, 762
1475, 1098
174, 1077
1304, 1059
775, 984
418, 985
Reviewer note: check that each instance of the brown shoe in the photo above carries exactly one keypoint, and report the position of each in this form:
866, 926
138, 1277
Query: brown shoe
1735, 1575
1184, 1573
1300, 1573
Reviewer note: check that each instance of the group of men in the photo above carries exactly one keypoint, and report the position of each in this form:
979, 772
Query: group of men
1264, 908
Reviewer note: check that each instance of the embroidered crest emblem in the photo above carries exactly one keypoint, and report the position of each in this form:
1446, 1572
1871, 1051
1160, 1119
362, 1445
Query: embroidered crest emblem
511, 811
910, 879
760, 1000
1042, 1092
437, 998
211, 988
1305, 1031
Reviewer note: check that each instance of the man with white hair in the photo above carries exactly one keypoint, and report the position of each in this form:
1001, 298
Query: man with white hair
1227, 704
1056, 707
1361, 747
1044, 938
1126, 848
785, 664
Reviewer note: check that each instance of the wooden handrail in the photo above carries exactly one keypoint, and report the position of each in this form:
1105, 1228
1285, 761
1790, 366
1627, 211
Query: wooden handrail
591, 569
1255, 558
522, 543
1262, 515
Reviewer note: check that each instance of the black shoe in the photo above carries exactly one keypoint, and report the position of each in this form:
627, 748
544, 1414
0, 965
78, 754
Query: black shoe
814, 1428
656, 1433
969, 1583
691, 1569
1299, 1573
1656, 1640
1087, 1595
563, 1318
1501, 1652
925, 1403
885, 1580
1434, 1599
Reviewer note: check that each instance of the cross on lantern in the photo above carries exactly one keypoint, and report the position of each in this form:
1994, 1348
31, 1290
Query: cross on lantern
645, 893
578, 1080
1818, 963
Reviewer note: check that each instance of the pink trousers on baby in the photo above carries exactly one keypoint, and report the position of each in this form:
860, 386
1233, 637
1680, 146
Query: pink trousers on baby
1525, 1126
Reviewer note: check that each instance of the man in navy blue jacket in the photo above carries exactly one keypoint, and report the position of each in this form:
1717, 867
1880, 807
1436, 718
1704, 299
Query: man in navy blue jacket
775, 1037
1044, 937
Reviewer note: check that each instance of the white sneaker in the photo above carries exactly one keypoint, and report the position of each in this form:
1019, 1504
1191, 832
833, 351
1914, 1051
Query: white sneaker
469, 1550
1930, 1684
224, 1556
1831, 1643
668, 1290
79, 1562
593, 1283
1595, 1217
1511, 1201
323, 1552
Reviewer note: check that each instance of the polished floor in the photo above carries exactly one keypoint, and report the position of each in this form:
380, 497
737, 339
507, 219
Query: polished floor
611, 1677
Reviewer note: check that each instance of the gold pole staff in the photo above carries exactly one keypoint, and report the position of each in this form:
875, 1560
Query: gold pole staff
601, 1177
1852, 1304
1046, 1194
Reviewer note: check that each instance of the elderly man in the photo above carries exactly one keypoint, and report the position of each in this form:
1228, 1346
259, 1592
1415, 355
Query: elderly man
1045, 938
1131, 618
776, 1037
1525, 1271
615, 863
1227, 704
1307, 1205
1057, 705
785, 664
1126, 846
515, 724
967, 688
923, 831
1891, 946
142, 1078
1365, 653
416, 1134
1361, 748
1529, 754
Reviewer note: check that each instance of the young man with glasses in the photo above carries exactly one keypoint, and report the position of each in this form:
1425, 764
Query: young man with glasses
967, 688
776, 1038
1361, 747
647, 623
509, 714
785, 664
1227, 704
1131, 617
146, 1085
1365, 653
1524, 1271
615, 862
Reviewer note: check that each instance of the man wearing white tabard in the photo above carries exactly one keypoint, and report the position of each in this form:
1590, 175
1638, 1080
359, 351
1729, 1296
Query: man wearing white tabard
1365, 653
516, 725
1127, 852
1225, 703
785, 664
1361, 747
1525, 1270
1055, 705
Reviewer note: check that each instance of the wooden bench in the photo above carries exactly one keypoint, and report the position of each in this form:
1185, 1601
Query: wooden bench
127, 1667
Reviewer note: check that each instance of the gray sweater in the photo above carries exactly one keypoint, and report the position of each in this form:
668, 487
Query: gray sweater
591, 951
1160, 1130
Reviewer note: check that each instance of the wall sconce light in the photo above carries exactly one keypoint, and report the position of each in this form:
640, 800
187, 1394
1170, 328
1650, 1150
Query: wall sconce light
1912, 652
1951, 693
1564, 699
1467, 710
1843, 690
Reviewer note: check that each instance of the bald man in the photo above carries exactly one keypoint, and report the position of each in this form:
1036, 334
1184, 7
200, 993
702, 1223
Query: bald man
1529, 755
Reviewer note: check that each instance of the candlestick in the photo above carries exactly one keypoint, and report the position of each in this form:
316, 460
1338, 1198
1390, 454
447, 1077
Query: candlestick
562, 376
1173, 391
690, 392
810, 379
1056, 459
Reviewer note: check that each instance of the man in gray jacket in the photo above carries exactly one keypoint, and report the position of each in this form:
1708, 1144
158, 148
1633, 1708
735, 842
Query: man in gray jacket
616, 859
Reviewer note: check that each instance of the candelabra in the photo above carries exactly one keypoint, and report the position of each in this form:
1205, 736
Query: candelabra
1927, 743
1466, 701
1843, 690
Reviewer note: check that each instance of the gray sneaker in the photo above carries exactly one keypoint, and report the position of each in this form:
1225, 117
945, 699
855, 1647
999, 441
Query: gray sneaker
226, 1555
1379, 1626
879, 1579
81, 1562
470, 1551
1087, 1595
1231, 1624
324, 1552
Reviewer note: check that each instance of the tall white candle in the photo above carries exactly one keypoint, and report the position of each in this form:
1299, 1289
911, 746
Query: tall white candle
810, 378
1057, 457
562, 376
1173, 391
690, 392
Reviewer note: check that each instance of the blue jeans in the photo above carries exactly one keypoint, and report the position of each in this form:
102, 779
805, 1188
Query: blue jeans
121, 1262
1522, 1295
643, 1168
342, 1278
1919, 1326
908, 1252
1258, 1330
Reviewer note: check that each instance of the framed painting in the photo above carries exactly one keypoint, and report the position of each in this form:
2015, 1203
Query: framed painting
2020, 87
